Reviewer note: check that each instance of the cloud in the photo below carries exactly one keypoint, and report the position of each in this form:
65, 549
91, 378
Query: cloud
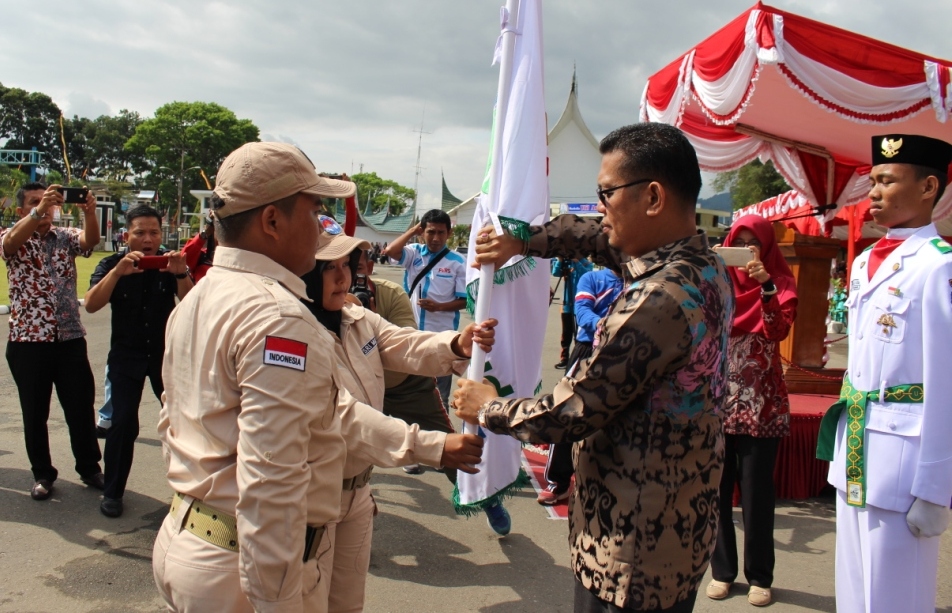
349, 81
82, 104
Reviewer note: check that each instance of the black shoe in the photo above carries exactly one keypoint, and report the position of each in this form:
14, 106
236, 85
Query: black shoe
97, 481
42, 489
562, 364
101, 432
111, 507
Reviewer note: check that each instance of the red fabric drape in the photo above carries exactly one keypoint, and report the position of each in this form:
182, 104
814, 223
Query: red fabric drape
717, 54
350, 216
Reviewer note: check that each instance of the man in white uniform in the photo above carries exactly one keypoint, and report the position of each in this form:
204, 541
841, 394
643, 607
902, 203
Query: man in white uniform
888, 436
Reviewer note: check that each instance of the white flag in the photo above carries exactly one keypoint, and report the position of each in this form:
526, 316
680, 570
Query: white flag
516, 195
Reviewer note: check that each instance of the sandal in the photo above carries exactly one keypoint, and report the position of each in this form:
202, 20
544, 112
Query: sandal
41, 490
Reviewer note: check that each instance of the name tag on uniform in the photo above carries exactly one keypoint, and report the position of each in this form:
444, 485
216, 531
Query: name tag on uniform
369, 346
854, 285
285, 352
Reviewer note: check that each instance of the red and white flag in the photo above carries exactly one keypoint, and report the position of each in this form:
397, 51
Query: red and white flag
285, 352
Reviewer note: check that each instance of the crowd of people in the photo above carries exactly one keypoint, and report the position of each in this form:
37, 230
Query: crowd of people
287, 372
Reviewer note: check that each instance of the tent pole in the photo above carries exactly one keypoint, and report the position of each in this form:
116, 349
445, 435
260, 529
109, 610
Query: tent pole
851, 244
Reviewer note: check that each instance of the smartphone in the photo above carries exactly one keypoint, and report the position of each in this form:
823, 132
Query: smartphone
152, 262
76, 195
735, 256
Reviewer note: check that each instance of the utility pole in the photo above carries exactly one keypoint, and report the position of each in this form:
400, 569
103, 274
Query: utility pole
419, 169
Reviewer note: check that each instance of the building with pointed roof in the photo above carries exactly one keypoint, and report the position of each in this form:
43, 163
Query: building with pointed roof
574, 162
450, 201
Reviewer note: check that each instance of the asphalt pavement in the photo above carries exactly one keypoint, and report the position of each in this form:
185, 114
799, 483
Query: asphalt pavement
62, 555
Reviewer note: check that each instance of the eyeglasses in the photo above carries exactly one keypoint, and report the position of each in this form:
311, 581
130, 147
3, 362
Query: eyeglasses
750, 243
604, 193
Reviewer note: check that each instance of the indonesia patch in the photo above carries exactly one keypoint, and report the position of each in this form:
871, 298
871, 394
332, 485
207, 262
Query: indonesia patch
285, 352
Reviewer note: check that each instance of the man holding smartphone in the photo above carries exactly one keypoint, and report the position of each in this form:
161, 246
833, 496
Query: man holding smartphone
141, 285
47, 345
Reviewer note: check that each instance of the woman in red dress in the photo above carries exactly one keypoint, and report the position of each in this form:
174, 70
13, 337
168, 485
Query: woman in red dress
756, 410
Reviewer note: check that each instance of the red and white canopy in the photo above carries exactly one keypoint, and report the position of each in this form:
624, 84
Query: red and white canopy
803, 94
793, 210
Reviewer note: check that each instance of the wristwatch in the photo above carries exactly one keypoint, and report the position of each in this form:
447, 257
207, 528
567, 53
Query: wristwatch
36, 215
182, 275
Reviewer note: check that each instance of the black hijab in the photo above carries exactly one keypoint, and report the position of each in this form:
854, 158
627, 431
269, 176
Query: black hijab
314, 281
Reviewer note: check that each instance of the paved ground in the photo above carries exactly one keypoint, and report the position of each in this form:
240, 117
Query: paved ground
63, 556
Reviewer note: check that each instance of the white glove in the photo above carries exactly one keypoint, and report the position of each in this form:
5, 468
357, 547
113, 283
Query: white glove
926, 519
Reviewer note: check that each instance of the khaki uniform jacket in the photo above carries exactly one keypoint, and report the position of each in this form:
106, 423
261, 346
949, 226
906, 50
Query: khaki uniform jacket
394, 305
369, 344
249, 421
642, 411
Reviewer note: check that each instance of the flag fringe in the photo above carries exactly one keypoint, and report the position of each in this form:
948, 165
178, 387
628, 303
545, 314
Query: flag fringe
475, 508
502, 276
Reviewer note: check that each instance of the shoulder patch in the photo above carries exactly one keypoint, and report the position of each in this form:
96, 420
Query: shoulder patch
870, 247
942, 246
284, 352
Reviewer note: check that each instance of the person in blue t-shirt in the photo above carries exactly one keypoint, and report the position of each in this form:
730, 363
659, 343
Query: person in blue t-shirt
570, 271
434, 278
596, 293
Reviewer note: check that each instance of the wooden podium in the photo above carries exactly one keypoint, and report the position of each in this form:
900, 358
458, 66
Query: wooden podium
810, 258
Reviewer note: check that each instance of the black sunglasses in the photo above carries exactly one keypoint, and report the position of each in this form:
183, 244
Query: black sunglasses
604, 193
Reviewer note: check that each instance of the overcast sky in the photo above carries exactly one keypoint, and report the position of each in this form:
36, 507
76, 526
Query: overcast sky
348, 81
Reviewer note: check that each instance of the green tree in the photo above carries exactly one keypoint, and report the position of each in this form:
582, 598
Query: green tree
459, 235
751, 183
183, 135
10, 181
381, 193
76, 132
31, 119
96, 147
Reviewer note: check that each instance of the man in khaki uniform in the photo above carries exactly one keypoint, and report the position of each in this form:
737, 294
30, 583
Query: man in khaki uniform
249, 425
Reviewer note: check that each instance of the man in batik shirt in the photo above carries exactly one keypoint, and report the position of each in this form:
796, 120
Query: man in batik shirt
642, 410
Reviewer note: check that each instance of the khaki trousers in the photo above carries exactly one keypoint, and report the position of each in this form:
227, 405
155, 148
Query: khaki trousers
344, 557
194, 576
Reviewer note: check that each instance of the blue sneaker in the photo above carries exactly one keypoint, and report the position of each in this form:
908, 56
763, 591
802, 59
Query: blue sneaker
498, 518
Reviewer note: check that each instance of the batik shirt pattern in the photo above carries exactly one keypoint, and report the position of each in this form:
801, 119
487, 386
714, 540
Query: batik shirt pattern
757, 403
42, 279
642, 412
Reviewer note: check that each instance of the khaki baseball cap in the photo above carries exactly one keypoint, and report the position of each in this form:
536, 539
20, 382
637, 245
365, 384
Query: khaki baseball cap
332, 243
257, 174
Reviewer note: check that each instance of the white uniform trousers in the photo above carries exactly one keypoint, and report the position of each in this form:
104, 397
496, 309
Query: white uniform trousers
194, 576
880, 566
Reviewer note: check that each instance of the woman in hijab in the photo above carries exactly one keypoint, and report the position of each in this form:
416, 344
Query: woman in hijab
366, 344
757, 409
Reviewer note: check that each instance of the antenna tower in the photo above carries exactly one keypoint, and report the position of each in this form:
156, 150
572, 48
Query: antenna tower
419, 169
